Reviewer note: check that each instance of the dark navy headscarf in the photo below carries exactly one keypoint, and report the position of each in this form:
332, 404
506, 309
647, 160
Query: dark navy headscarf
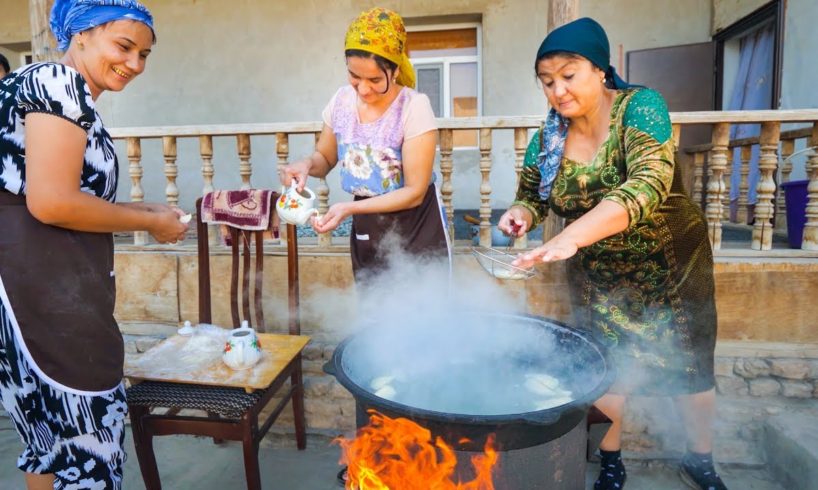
586, 38
69, 17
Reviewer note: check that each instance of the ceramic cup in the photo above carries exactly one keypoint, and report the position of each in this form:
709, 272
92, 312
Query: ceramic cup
295, 207
242, 349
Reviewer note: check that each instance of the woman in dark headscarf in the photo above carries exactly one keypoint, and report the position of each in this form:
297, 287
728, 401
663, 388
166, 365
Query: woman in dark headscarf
641, 266
61, 352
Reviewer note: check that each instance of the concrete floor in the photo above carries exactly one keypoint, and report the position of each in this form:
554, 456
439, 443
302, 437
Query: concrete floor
196, 463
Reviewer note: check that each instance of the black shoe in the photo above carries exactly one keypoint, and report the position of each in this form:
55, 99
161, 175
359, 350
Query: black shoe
612, 475
697, 471
342, 477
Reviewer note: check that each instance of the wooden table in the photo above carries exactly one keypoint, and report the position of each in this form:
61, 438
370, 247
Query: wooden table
197, 360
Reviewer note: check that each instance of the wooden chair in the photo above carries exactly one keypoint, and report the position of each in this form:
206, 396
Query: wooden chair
233, 413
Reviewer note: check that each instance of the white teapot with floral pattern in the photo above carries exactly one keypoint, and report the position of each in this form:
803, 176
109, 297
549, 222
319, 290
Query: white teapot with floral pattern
296, 208
242, 349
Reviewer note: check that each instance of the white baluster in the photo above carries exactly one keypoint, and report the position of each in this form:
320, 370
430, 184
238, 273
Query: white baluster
245, 168
787, 149
715, 183
171, 170
520, 146
208, 171
485, 187
135, 172
446, 168
742, 214
810, 240
765, 190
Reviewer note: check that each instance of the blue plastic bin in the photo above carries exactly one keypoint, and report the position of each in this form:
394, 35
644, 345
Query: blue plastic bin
795, 199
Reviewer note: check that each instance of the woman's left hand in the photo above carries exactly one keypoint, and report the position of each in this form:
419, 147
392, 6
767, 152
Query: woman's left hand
332, 219
558, 248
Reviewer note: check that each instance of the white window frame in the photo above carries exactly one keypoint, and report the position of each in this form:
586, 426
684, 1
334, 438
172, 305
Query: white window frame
447, 61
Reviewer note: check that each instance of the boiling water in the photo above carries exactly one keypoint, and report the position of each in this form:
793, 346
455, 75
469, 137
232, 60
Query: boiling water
456, 390
498, 365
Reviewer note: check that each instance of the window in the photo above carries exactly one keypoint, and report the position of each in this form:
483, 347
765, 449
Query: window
748, 64
760, 32
447, 62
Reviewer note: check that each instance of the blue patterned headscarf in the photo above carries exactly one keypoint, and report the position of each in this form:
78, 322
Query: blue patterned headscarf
69, 17
552, 147
586, 38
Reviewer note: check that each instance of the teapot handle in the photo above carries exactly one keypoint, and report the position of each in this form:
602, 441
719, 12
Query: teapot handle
240, 353
285, 190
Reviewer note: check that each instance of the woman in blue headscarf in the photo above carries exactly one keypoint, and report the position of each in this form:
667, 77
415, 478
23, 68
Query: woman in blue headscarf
61, 352
641, 267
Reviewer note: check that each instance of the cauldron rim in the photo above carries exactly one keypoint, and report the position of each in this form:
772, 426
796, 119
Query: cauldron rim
543, 417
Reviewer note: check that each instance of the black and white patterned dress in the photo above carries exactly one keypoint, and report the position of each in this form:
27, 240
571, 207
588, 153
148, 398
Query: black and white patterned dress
71, 426
59, 90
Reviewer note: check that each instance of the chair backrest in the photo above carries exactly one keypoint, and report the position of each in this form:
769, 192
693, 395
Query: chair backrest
246, 240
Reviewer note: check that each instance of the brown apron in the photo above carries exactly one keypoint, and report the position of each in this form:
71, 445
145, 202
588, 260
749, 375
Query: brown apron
61, 290
421, 230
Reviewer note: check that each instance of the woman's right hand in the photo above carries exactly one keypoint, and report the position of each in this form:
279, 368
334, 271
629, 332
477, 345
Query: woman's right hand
516, 221
298, 171
165, 226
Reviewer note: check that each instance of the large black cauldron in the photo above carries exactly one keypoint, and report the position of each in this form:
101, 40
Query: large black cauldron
544, 442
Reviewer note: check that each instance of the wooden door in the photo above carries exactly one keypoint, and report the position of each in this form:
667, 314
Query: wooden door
685, 76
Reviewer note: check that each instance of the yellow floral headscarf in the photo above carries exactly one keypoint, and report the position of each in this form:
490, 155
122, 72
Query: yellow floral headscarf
381, 31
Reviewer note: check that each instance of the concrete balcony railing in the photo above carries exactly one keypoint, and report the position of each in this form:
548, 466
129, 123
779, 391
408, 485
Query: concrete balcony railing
711, 163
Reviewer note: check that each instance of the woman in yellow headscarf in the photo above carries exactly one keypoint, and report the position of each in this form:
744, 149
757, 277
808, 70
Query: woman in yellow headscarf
384, 135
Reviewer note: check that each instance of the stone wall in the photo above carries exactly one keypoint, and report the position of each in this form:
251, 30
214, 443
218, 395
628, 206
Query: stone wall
754, 380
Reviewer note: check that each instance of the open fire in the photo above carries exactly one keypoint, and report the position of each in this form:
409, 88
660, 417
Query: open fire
398, 454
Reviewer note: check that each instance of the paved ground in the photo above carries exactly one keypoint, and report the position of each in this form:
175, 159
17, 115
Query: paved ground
196, 463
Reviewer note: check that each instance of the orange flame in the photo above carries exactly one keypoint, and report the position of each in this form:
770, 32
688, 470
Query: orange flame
398, 454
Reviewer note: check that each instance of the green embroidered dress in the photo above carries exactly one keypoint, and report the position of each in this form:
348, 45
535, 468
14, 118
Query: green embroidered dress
648, 291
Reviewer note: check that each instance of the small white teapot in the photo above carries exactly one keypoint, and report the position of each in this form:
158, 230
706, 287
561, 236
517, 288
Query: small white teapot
295, 207
242, 349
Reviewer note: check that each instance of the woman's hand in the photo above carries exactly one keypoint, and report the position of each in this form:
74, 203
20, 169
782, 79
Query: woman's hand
298, 171
558, 248
165, 226
516, 221
337, 213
